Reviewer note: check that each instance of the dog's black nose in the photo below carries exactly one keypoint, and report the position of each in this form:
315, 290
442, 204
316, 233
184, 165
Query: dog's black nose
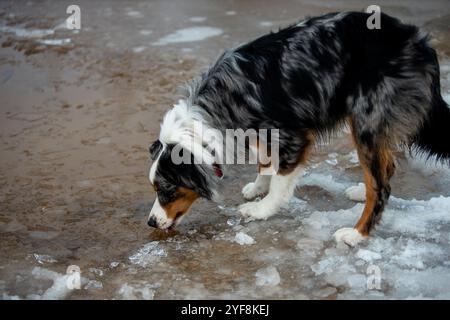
152, 222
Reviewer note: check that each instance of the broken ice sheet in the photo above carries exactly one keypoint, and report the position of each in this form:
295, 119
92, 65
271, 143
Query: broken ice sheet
44, 258
58, 290
93, 284
148, 254
244, 239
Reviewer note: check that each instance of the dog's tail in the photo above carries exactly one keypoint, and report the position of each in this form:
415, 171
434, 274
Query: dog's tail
433, 138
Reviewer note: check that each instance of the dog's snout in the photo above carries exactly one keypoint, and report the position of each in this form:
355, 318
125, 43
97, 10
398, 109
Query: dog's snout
152, 222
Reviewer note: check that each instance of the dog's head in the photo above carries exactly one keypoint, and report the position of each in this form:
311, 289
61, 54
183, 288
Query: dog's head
177, 186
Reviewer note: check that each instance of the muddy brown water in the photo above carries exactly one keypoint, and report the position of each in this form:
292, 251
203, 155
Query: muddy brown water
76, 121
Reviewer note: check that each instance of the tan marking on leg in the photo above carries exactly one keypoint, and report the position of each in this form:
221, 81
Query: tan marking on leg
303, 157
371, 198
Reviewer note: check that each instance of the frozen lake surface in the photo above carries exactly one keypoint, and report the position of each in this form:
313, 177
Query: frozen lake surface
79, 110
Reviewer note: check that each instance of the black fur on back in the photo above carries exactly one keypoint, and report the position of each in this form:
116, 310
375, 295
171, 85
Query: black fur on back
311, 77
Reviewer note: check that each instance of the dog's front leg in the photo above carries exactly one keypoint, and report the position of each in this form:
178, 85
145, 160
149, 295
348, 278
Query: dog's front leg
280, 192
257, 188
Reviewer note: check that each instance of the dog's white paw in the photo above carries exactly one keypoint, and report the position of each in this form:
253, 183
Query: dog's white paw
350, 236
256, 210
357, 193
252, 190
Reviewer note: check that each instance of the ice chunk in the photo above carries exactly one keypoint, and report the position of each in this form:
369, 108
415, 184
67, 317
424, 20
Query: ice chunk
268, 276
357, 281
43, 258
332, 159
148, 254
317, 220
145, 32
27, 33
332, 162
244, 239
129, 292
368, 255
189, 35
60, 287
139, 49
234, 221
93, 284
356, 193
197, 19
310, 246
55, 42
353, 157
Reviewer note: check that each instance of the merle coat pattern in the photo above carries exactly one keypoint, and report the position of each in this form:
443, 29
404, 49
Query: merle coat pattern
308, 80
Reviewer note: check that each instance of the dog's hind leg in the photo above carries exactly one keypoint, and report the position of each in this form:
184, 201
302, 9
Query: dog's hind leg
377, 162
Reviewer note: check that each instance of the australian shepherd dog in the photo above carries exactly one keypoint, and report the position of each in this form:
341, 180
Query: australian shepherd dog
307, 80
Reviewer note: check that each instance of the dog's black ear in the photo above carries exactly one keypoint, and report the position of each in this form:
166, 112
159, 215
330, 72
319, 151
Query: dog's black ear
155, 149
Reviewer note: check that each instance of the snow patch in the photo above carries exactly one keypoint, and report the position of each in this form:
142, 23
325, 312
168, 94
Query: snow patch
55, 42
145, 32
189, 35
368, 255
197, 19
266, 24
324, 181
138, 49
129, 292
27, 33
58, 290
134, 14
268, 276
356, 193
